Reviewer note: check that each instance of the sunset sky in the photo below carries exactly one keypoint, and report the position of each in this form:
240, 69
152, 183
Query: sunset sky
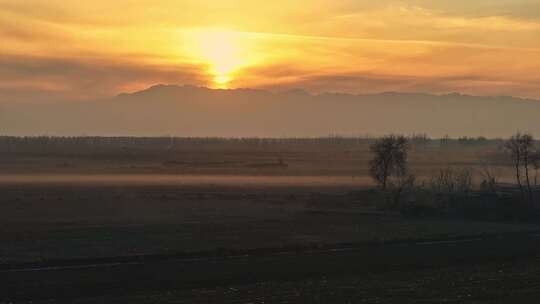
77, 50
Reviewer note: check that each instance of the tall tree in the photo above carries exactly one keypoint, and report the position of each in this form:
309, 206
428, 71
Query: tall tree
390, 155
521, 148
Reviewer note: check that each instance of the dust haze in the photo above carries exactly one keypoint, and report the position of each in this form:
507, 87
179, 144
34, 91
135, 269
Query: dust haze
188, 111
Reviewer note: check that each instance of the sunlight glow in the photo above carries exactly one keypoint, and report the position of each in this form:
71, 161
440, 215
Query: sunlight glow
466, 46
223, 52
222, 80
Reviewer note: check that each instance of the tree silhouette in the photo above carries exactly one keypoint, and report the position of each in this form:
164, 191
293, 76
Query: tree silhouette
521, 148
390, 159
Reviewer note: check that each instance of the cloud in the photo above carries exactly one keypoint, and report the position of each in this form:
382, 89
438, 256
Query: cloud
409, 22
519, 9
77, 50
72, 79
370, 82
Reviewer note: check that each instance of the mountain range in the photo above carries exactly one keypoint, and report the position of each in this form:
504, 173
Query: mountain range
199, 112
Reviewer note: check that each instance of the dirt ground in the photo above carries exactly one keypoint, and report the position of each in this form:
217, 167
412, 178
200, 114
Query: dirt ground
510, 282
302, 157
84, 197
64, 221
87, 201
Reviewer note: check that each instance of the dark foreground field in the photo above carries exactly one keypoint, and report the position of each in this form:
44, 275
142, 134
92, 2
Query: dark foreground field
116, 221
52, 221
515, 282
228, 241
496, 269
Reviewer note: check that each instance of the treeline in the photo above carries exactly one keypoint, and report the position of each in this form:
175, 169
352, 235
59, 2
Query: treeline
46, 144
12, 142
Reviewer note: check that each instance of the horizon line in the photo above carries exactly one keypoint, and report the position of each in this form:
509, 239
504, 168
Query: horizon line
286, 90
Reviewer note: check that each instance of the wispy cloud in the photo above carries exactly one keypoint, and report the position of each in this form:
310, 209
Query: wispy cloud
99, 48
70, 79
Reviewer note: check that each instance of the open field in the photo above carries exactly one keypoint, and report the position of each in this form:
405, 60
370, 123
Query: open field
61, 221
510, 282
250, 157
89, 205
491, 269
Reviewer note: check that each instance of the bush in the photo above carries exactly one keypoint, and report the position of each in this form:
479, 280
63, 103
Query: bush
452, 181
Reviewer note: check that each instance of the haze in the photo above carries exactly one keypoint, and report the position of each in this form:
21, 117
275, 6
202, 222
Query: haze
64, 51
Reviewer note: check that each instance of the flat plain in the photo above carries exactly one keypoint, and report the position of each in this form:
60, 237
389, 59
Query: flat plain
93, 203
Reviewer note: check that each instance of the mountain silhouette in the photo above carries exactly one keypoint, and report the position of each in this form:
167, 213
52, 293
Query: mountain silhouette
199, 111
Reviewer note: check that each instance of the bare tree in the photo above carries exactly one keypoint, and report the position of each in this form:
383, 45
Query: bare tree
390, 159
489, 179
453, 181
521, 148
535, 160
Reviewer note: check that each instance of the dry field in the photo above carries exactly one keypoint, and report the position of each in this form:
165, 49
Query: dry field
86, 201
83, 202
514, 282
64, 221
325, 157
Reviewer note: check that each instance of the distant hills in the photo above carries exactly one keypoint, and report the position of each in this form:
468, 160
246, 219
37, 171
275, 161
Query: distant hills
198, 111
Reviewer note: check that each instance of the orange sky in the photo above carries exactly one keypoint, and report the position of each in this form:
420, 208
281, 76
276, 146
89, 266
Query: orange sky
57, 49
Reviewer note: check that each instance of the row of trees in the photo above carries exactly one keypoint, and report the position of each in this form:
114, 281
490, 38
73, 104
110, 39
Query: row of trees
389, 167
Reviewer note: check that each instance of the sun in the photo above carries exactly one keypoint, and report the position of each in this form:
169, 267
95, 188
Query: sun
222, 80
223, 52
